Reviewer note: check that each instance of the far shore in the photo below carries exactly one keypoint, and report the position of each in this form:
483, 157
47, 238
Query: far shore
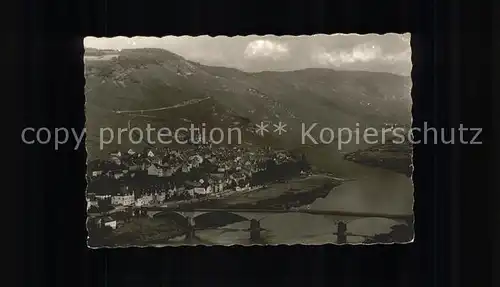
287, 194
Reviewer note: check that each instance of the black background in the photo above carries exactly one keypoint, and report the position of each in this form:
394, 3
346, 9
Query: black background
452, 56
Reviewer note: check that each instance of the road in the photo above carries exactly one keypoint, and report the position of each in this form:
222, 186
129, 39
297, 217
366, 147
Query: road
183, 104
367, 210
302, 210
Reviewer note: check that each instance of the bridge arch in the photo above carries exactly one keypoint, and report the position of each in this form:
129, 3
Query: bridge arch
192, 221
347, 223
202, 219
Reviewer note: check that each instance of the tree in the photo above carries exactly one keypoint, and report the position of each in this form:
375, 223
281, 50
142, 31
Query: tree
104, 206
304, 164
399, 233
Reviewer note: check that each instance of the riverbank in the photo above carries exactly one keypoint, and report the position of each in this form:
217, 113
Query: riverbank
284, 195
146, 230
210, 197
380, 191
394, 157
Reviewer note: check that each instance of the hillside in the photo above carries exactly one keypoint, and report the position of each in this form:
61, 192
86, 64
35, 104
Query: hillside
184, 92
396, 157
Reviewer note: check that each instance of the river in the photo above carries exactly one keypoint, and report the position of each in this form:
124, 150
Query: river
375, 191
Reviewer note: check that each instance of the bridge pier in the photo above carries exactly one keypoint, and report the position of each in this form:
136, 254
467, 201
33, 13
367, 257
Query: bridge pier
409, 222
341, 233
190, 233
255, 230
139, 212
255, 215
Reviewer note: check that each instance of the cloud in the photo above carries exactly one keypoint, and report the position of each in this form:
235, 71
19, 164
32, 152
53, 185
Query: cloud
360, 53
404, 56
369, 56
372, 52
266, 48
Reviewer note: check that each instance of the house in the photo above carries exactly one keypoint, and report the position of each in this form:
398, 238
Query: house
203, 190
111, 167
190, 185
172, 190
186, 168
144, 166
151, 154
194, 164
118, 175
116, 160
217, 182
91, 203
160, 197
161, 172
198, 187
93, 209
247, 171
157, 160
107, 222
169, 171
124, 198
181, 190
134, 167
110, 222
218, 187
216, 177
196, 159
237, 177
243, 188
116, 154
122, 217
154, 170
193, 187
144, 199
167, 159
257, 168
96, 167
96, 173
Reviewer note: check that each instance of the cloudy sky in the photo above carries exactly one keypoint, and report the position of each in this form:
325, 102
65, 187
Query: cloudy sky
382, 53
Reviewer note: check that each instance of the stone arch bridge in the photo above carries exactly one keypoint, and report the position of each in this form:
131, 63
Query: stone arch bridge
341, 218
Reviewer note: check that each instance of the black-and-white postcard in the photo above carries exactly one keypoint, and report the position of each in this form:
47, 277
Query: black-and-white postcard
248, 140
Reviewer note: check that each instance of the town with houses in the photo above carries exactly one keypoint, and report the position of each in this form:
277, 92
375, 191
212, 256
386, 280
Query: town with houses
129, 180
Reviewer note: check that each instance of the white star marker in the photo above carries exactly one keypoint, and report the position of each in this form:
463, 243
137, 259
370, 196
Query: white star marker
262, 128
280, 128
